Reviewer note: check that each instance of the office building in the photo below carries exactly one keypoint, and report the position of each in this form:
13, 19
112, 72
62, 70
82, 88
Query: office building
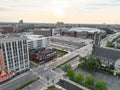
37, 41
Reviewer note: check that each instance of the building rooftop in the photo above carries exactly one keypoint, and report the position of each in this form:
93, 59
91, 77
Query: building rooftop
41, 50
41, 29
72, 39
107, 53
38, 50
9, 36
34, 37
83, 29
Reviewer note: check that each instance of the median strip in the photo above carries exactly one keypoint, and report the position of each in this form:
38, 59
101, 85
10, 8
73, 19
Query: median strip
64, 63
28, 83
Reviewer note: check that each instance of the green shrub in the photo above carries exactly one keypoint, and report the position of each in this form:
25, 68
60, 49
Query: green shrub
89, 81
79, 77
101, 85
71, 74
118, 74
89, 63
66, 67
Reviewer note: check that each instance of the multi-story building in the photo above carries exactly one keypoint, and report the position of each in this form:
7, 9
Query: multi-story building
44, 32
37, 41
7, 29
42, 54
81, 32
15, 51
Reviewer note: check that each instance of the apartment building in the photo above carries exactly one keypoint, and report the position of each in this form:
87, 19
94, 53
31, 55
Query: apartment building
15, 51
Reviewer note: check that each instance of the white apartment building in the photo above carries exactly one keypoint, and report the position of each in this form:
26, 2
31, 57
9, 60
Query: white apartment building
15, 51
37, 41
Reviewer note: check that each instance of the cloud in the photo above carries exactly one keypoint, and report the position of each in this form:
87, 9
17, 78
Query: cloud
45, 9
4, 9
116, 0
103, 4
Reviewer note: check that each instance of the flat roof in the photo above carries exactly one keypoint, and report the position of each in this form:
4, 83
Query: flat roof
84, 29
35, 37
8, 36
72, 39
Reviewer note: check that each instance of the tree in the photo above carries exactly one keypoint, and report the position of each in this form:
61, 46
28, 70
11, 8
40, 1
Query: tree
109, 44
114, 39
112, 67
82, 58
71, 74
90, 64
67, 67
79, 78
89, 81
118, 74
101, 85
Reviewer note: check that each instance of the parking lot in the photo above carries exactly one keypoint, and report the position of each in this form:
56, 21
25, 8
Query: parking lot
111, 81
72, 39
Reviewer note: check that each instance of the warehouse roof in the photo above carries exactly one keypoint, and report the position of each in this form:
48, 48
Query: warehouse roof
106, 53
84, 29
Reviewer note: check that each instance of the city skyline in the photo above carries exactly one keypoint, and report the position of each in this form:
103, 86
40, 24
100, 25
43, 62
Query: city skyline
51, 11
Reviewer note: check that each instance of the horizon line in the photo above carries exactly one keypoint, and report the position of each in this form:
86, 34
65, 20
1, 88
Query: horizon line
59, 21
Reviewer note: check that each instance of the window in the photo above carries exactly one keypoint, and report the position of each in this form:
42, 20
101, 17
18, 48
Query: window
3, 48
0, 46
24, 41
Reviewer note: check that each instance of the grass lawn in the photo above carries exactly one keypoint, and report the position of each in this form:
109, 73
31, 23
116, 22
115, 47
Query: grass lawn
60, 52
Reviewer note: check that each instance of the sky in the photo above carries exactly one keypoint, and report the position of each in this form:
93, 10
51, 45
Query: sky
67, 11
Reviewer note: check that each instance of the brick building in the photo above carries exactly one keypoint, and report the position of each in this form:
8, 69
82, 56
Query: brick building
7, 29
81, 32
44, 32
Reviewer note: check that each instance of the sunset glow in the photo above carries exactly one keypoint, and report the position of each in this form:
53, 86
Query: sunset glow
69, 11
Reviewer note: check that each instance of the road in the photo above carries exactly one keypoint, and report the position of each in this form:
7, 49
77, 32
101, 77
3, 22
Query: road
16, 82
85, 51
42, 71
108, 38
